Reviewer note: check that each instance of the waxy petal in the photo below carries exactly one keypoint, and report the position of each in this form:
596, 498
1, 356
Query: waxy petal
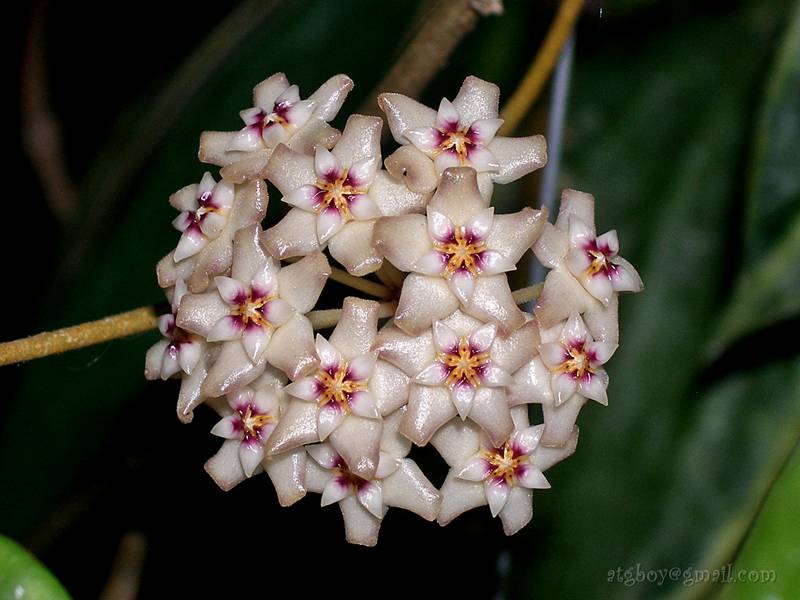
599, 286
447, 118
462, 284
330, 417
232, 291
324, 455
462, 395
362, 207
445, 339
625, 278
305, 388
493, 376
428, 409
525, 440
329, 357
553, 355
227, 328
213, 224
426, 139
250, 455
496, 495
370, 496
363, 405
329, 223
475, 469
255, 339
483, 131
403, 240
482, 338
189, 354
307, 197
431, 263
564, 386
190, 243
491, 262
593, 386
361, 367
440, 227
482, 159
446, 160
335, 490
433, 374
479, 226
326, 165
227, 428
387, 464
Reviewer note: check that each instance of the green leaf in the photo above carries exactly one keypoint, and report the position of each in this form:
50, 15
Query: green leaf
22, 576
769, 562
768, 290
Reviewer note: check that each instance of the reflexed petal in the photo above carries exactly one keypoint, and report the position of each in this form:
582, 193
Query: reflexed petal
580, 233
183, 220
440, 227
599, 286
329, 222
361, 367
362, 404
231, 290
494, 376
564, 386
255, 339
491, 262
330, 417
227, 428
166, 324
574, 331
525, 440
480, 224
326, 165
475, 469
189, 354
532, 478
496, 495
625, 278
446, 340
169, 364
447, 117
446, 160
305, 388
294, 235
278, 311
324, 455
370, 497
553, 355
274, 134
246, 140
329, 357
306, 198
362, 207
335, 491
608, 243
423, 300
482, 159
433, 374
402, 240
462, 284
462, 395
387, 464
483, 131
298, 114
227, 328
250, 454
482, 338
191, 242
594, 386
426, 139
431, 263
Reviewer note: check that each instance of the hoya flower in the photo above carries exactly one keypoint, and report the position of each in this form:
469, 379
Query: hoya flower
397, 482
256, 314
500, 475
457, 255
335, 198
248, 417
344, 397
460, 367
204, 211
179, 350
461, 133
278, 116
211, 257
586, 269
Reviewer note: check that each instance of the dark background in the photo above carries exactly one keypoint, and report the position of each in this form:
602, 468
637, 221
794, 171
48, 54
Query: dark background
683, 120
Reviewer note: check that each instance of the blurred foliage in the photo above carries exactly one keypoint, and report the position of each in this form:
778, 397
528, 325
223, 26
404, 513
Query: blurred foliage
683, 121
22, 576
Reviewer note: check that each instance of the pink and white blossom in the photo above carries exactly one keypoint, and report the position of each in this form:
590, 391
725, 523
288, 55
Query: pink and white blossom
204, 213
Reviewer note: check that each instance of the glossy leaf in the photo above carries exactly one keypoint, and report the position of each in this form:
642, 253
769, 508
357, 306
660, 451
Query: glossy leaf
24, 577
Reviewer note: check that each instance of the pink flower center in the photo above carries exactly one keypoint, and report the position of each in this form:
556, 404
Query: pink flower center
456, 141
252, 309
338, 386
505, 462
601, 260
252, 422
464, 365
578, 362
338, 192
463, 253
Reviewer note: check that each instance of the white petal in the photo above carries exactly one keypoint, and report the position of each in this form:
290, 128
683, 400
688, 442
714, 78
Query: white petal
231, 290
480, 224
213, 224
553, 355
580, 233
329, 222
370, 497
362, 367
445, 339
246, 140
526, 440
191, 243
431, 263
299, 114
290, 95
594, 386
251, 116
227, 328
278, 312
482, 159
426, 139
496, 495
362, 404
600, 352
330, 417
335, 491
227, 428
361, 172
446, 160
608, 243
574, 331
433, 374
329, 357
274, 134
306, 388
207, 184
532, 478
564, 386
462, 284
255, 339
491, 262
266, 401
625, 278
578, 260
189, 354
447, 116
494, 376
250, 455
483, 131
362, 207
387, 464
462, 396
482, 338
324, 455
307, 197
599, 286
326, 165
475, 469
440, 227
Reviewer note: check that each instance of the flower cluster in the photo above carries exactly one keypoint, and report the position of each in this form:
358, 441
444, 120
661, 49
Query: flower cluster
458, 362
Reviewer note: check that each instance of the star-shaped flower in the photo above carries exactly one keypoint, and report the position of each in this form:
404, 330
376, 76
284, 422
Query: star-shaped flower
179, 350
457, 255
460, 133
278, 117
204, 212
397, 482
